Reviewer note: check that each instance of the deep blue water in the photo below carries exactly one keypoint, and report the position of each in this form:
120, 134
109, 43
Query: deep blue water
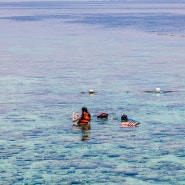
50, 52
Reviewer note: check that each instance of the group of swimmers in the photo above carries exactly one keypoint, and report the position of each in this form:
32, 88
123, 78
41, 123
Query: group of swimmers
83, 120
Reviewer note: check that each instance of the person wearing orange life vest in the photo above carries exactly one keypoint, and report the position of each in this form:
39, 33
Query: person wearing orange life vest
85, 117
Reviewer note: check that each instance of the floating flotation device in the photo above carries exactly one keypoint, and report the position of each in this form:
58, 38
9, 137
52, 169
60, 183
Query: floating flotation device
102, 115
90, 92
158, 91
125, 122
75, 116
130, 123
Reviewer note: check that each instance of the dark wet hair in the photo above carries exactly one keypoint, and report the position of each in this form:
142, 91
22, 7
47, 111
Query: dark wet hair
124, 118
84, 109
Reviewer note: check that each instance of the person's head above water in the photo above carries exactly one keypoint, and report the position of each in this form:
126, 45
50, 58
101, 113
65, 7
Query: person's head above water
84, 109
124, 118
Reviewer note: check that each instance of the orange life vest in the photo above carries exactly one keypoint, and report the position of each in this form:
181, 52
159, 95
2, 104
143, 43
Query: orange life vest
85, 119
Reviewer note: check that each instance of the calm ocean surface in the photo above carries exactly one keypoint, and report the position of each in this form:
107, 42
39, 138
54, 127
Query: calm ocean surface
52, 51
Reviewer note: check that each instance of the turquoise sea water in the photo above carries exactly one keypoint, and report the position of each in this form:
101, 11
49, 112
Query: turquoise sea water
52, 51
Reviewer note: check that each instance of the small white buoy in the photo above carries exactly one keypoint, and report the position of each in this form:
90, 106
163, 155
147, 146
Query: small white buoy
157, 90
91, 91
